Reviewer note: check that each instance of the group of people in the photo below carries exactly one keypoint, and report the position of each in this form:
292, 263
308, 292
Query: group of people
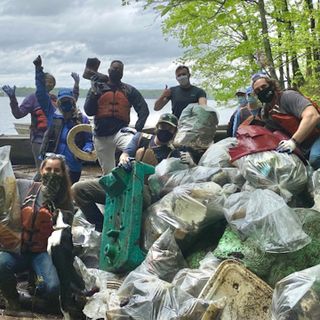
109, 101
49, 199
289, 111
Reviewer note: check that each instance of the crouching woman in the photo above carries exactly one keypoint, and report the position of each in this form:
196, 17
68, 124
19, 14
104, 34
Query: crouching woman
40, 202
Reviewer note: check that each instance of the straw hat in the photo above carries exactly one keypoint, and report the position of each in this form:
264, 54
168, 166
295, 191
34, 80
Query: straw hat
85, 156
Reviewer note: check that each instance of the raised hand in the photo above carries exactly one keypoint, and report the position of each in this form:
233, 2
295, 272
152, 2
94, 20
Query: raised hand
10, 91
37, 62
75, 77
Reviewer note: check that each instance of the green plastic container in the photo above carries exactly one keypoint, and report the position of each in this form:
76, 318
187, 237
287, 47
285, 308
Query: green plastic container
120, 244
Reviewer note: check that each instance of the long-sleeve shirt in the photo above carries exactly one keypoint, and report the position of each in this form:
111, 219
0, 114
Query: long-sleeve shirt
110, 125
52, 113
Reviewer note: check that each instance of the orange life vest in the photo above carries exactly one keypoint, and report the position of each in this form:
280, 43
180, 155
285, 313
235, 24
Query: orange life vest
39, 121
114, 105
37, 225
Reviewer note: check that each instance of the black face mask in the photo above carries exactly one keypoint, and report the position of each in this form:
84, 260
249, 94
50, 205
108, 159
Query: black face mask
164, 136
266, 95
115, 75
52, 184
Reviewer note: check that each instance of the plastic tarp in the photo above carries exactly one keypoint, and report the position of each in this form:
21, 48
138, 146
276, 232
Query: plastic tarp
282, 173
264, 216
187, 209
10, 212
297, 296
217, 154
196, 127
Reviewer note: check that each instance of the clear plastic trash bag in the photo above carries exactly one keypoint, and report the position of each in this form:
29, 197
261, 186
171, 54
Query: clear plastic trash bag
196, 127
265, 217
297, 296
187, 209
161, 185
217, 154
145, 294
282, 173
10, 210
194, 280
86, 240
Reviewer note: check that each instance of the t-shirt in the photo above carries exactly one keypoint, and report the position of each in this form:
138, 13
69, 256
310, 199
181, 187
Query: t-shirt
181, 97
293, 103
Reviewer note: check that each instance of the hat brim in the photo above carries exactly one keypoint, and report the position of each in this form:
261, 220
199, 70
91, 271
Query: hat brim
67, 96
171, 124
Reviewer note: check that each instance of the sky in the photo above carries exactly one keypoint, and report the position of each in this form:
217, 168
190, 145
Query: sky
67, 32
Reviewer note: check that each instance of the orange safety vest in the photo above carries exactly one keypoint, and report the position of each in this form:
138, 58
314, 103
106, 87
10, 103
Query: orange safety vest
37, 225
114, 105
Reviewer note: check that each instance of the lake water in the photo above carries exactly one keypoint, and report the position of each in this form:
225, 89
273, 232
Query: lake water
7, 120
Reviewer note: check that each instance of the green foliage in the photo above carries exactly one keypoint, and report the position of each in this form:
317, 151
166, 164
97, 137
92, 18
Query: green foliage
224, 45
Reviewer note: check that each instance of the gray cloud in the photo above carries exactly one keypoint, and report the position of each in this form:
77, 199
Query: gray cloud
66, 33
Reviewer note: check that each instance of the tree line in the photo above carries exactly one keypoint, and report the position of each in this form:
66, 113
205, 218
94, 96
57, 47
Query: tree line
226, 41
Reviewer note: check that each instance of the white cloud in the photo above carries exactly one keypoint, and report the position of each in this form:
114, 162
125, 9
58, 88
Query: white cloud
66, 33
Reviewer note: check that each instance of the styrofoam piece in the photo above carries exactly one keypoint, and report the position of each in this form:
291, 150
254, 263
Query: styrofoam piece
247, 296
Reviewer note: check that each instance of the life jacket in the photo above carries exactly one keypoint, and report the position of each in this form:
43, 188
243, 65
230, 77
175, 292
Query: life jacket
39, 120
114, 104
145, 153
51, 137
244, 114
37, 224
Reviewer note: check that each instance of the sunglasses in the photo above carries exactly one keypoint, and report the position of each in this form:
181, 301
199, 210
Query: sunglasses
51, 155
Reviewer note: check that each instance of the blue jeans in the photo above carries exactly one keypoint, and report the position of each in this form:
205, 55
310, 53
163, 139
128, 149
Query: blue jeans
47, 284
314, 157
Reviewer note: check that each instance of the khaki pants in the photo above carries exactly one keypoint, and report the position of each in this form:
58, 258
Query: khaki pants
106, 147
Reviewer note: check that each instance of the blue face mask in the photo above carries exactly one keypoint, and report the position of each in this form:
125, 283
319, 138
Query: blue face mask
252, 100
242, 100
66, 106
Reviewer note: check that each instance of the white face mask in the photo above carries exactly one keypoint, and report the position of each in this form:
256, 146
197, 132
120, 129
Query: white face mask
183, 80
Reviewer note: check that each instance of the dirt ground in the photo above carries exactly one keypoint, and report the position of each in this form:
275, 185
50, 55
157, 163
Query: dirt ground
28, 171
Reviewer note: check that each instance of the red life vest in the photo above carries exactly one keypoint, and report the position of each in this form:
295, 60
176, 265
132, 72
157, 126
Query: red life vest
40, 121
114, 105
37, 225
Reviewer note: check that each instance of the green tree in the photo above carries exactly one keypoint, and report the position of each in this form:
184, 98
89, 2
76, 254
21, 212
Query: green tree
225, 41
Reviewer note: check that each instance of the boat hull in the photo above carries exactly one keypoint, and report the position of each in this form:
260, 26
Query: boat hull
21, 151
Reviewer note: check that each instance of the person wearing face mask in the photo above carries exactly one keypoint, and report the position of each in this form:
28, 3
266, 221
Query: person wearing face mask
252, 109
40, 201
30, 105
181, 95
61, 119
292, 113
110, 103
148, 148
242, 102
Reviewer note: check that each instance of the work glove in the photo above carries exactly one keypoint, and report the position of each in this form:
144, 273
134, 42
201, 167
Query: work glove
10, 91
126, 164
186, 158
87, 149
75, 77
287, 146
37, 62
